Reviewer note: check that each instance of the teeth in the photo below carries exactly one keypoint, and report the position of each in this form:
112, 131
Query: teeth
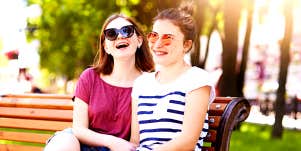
160, 52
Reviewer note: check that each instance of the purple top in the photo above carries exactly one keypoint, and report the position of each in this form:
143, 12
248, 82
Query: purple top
109, 106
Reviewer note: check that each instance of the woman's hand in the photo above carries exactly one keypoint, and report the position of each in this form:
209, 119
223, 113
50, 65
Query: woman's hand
119, 144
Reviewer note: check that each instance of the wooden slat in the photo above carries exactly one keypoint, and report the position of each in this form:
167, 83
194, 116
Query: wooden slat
211, 136
37, 103
24, 137
39, 96
30, 113
223, 99
217, 108
12, 147
214, 121
34, 124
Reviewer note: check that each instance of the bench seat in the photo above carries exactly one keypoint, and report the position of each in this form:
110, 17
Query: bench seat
28, 120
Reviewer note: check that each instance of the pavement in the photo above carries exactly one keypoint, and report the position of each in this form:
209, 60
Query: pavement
288, 121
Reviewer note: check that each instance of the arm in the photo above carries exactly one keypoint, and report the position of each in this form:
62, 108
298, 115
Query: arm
87, 136
134, 124
194, 116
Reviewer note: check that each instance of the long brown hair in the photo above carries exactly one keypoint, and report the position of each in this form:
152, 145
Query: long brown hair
104, 63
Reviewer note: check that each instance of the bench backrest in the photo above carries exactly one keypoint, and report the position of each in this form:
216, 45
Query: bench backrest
225, 113
33, 118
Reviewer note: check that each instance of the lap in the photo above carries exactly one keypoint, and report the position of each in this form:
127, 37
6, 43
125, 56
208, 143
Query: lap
67, 136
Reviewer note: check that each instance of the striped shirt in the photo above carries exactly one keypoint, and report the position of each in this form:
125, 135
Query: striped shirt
161, 106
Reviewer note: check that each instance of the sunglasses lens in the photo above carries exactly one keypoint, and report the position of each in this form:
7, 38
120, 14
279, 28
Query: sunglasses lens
111, 34
152, 37
166, 39
127, 31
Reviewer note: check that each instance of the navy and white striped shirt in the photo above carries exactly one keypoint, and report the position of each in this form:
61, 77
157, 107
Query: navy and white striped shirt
161, 106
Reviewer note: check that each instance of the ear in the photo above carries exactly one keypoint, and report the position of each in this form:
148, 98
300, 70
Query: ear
106, 48
187, 45
140, 41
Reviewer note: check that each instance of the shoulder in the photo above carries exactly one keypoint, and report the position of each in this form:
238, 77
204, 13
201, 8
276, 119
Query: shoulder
145, 77
196, 71
195, 78
196, 74
142, 82
198, 78
88, 73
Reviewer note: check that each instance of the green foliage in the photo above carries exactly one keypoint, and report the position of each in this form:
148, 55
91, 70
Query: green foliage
69, 31
253, 137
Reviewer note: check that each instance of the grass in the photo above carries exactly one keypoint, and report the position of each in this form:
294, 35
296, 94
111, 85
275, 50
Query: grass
23, 130
252, 137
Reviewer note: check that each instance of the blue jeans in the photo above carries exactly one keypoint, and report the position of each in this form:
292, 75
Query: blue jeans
83, 147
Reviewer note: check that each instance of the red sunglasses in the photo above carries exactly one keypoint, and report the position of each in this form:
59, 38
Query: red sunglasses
165, 39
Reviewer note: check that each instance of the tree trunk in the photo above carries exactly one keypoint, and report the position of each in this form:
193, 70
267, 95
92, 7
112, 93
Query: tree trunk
212, 28
245, 50
199, 18
227, 84
284, 63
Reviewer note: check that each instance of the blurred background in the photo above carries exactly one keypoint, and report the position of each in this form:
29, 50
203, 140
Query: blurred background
252, 48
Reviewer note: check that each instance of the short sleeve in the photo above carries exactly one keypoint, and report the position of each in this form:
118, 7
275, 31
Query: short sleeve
199, 79
83, 86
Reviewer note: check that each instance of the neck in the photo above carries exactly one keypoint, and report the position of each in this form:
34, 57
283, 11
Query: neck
167, 74
124, 73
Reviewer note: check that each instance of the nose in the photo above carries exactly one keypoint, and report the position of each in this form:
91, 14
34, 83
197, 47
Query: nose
157, 44
119, 36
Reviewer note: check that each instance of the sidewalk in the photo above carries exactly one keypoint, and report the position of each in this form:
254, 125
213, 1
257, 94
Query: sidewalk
257, 117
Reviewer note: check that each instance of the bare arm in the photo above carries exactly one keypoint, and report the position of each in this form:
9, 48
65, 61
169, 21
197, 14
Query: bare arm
134, 124
87, 136
194, 116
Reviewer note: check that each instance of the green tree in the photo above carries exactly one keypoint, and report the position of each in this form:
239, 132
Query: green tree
68, 31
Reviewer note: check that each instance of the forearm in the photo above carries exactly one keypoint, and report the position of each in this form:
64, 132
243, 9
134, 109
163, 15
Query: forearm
92, 138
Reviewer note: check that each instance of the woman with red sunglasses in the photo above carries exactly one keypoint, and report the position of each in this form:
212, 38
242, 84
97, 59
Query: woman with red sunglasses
169, 107
102, 104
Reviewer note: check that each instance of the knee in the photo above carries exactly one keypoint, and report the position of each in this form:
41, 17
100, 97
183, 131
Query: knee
63, 142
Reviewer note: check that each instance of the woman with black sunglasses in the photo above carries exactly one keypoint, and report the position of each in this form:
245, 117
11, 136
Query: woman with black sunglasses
102, 104
170, 114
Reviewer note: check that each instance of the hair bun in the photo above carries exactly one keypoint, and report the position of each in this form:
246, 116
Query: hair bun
187, 7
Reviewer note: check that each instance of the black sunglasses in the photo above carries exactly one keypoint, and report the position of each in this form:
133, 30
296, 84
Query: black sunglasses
125, 31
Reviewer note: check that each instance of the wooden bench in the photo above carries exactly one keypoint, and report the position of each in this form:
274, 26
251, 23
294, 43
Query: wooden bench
21, 114
46, 113
225, 113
